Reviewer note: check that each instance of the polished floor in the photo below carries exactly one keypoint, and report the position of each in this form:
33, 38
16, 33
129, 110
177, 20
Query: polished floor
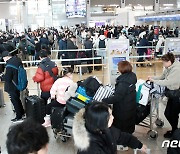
58, 147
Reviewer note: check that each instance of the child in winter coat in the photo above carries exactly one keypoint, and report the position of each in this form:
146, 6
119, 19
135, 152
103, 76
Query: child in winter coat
58, 90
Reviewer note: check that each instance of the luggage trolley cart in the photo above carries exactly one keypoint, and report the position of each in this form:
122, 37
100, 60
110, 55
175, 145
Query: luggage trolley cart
62, 129
153, 117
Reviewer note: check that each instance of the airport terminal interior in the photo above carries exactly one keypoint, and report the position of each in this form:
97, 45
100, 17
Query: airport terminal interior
91, 37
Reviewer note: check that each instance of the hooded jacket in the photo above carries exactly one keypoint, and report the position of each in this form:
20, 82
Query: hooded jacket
170, 77
11, 74
124, 102
42, 75
104, 143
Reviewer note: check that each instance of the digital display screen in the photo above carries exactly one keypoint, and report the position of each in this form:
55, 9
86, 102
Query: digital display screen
116, 60
75, 8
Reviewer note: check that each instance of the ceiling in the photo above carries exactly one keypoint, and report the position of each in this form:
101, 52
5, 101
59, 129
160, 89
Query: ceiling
133, 2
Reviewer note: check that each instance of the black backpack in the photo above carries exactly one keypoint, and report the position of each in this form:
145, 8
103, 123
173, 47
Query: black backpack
91, 85
102, 43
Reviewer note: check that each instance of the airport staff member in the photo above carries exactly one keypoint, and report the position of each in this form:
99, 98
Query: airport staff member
170, 79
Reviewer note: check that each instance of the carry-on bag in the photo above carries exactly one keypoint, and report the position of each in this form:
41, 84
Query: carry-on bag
2, 104
68, 123
142, 112
74, 105
103, 92
82, 95
35, 108
57, 116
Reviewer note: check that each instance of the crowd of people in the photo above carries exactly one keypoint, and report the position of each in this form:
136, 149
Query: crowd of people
97, 127
30, 43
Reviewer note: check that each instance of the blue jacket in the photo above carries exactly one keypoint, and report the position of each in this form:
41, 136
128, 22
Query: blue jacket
62, 45
143, 42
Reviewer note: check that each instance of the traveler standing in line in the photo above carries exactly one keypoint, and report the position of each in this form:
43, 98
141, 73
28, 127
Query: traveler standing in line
93, 131
171, 80
88, 44
46, 75
141, 51
63, 46
58, 98
11, 78
71, 46
124, 99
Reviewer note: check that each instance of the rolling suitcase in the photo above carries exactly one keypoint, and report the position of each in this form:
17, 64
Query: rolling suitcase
2, 104
68, 123
35, 108
74, 105
57, 116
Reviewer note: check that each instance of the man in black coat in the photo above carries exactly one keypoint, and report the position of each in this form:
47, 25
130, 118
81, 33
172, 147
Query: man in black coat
88, 44
141, 51
10, 76
71, 54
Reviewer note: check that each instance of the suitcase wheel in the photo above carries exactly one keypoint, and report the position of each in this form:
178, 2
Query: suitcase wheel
159, 123
152, 134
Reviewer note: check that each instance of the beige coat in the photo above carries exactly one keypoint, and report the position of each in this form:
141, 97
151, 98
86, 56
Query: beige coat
170, 77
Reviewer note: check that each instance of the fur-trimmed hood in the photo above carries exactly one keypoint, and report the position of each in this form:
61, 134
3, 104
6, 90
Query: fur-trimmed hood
80, 134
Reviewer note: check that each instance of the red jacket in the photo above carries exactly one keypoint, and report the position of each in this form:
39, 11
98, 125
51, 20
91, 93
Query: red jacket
43, 77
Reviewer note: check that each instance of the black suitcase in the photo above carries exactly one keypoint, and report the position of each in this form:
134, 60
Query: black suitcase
35, 108
142, 112
57, 116
74, 105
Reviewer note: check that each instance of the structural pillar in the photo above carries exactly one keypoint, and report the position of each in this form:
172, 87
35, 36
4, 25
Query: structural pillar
123, 3
25, 15
88, 11
156, 6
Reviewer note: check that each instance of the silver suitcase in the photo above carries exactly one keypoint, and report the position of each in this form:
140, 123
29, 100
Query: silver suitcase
68, 123
2, 103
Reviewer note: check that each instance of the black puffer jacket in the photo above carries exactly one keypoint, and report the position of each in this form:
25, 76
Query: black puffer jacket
124, 102
11, 74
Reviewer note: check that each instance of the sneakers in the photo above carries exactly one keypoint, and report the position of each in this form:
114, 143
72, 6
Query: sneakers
47, 122
168, 134
16, 120
122, 148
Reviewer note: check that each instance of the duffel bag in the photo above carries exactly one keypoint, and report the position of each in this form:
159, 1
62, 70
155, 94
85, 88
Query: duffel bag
142, 112
103, 92
81, 94
73, 105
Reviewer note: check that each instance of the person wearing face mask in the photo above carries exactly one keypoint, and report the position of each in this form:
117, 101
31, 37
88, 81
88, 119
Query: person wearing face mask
171, 80
93, 132
58, 90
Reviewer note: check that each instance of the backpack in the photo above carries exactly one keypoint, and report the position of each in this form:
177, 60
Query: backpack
102, 43
22, 77
49, 69
91, 85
